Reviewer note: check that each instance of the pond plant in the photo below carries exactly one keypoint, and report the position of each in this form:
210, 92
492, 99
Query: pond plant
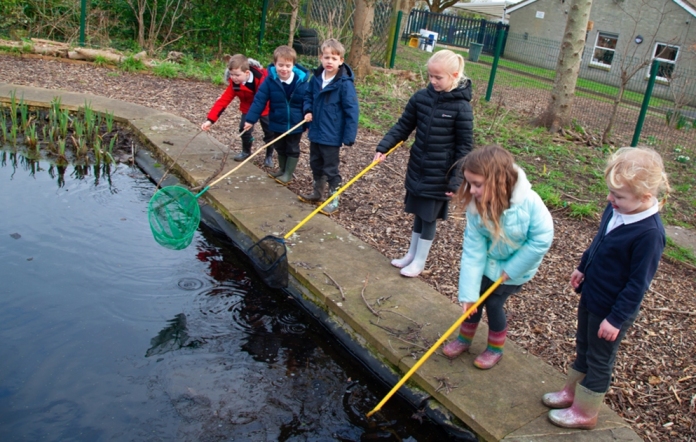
82, 137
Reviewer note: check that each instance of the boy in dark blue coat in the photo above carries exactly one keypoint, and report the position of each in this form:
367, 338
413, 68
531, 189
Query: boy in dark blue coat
331, 104
284, 90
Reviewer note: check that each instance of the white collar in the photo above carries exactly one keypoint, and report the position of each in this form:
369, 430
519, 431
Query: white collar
634, 218
290, 78
250, 79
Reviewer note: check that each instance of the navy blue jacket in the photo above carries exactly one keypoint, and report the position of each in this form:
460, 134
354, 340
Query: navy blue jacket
334, 109
283, 113
444, 125
619, 267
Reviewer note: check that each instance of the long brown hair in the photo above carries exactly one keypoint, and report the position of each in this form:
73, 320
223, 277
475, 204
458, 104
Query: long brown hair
497, 166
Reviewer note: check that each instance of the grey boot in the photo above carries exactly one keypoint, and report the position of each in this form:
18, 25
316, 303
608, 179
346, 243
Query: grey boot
332, 207
268, 162
290, 165
408, 258
281, 167
246, 151
564, 398
418, 264
317, 192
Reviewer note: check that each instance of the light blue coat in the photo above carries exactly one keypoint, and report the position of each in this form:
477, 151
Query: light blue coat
528, 232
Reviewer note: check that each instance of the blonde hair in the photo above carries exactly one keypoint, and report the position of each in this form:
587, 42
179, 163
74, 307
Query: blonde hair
238, 61
497, 166
285, 52
452, 63
335, 46
640, 169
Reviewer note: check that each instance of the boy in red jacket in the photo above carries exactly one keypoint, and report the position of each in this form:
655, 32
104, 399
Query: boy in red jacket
244, 76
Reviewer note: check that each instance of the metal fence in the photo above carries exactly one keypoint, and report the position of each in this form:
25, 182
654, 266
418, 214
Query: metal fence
334, 19
525, 78
453, 30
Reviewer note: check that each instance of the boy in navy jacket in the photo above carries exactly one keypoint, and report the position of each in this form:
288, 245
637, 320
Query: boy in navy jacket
331, 104
283, 93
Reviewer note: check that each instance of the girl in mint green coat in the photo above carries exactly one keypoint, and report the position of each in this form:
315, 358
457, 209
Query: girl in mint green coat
508, 232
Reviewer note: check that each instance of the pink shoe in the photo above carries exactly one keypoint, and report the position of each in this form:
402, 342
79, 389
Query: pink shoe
466, 334
583, 413
564, 398
494, 351
455, 348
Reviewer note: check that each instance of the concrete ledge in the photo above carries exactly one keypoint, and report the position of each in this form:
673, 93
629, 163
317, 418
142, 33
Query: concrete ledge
503, 403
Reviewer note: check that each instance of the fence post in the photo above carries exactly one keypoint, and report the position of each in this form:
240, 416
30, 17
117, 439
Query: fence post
397, 31
83, 15
646, 102
500, 32
264, 11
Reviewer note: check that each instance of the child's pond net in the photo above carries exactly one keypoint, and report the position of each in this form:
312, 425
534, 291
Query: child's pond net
269, 258
174, 215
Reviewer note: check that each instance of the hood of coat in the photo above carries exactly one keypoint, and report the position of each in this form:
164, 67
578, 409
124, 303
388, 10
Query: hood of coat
520, 192
345, 73
299, 70
462, 91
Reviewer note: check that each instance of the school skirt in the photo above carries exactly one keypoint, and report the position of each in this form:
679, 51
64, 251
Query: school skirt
428, 209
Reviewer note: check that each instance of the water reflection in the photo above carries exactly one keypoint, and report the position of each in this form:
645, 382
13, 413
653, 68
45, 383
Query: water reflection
107, 336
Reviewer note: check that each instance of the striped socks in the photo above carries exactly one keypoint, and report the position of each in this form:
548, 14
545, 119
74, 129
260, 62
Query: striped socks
494, 350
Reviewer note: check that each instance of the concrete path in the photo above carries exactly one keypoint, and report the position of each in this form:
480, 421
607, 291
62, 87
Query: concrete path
503, 403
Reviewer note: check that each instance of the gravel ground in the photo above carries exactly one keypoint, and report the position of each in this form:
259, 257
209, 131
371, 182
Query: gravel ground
654, 387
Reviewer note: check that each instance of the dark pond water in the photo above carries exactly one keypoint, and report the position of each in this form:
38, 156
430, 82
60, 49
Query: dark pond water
107, 336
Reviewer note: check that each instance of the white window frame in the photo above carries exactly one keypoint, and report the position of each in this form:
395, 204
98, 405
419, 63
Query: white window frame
596, 46
664, 60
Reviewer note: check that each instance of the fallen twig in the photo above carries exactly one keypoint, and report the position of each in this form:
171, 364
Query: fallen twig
362, 294
669, 310
340, 289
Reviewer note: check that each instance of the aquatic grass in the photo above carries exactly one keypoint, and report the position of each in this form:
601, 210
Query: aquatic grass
13, 107
109, 120
32, 138
89, 120
61, 148
24, 113
112, 143
96, 149
63, 121
3, 126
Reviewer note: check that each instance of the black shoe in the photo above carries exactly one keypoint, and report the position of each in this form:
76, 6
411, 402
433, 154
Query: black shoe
241, 156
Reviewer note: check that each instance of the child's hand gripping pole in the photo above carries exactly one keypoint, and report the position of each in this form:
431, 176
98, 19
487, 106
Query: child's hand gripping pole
262, 148
436, 345
339, 191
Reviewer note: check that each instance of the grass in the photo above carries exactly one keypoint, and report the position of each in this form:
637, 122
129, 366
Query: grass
678, 253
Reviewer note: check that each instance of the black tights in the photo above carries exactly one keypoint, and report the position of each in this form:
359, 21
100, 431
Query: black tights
425, 228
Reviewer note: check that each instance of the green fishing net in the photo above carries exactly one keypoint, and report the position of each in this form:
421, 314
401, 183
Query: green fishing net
174, 215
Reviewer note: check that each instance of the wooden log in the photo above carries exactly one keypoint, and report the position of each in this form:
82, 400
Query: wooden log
51, 50
50, 42
11, 44
74, 55
92, 54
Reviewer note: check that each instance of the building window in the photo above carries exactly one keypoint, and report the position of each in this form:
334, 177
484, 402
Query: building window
667, 57
604, 49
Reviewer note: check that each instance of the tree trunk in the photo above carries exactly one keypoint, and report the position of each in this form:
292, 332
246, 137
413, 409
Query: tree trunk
358, 58
614, 113
557, 113
293, 21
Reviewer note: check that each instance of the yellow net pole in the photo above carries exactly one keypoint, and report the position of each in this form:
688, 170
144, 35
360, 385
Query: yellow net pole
338, 192
436, 345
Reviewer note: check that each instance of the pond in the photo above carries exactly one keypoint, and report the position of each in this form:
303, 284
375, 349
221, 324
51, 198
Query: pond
108, 336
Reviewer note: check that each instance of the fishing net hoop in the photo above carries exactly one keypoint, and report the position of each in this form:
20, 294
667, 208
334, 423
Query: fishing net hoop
174, 215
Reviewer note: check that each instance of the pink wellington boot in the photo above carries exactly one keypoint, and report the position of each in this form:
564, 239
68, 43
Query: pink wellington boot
564, 398
583, 413
494, 351
466, 334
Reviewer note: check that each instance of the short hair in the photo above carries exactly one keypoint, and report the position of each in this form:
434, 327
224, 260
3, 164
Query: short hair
451, 62
640, 169
335, 46
238, 61
285, 52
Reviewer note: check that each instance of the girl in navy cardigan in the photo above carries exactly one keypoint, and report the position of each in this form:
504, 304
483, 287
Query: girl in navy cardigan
613, 275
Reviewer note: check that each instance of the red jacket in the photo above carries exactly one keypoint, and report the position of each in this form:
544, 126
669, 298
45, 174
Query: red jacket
243, 91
